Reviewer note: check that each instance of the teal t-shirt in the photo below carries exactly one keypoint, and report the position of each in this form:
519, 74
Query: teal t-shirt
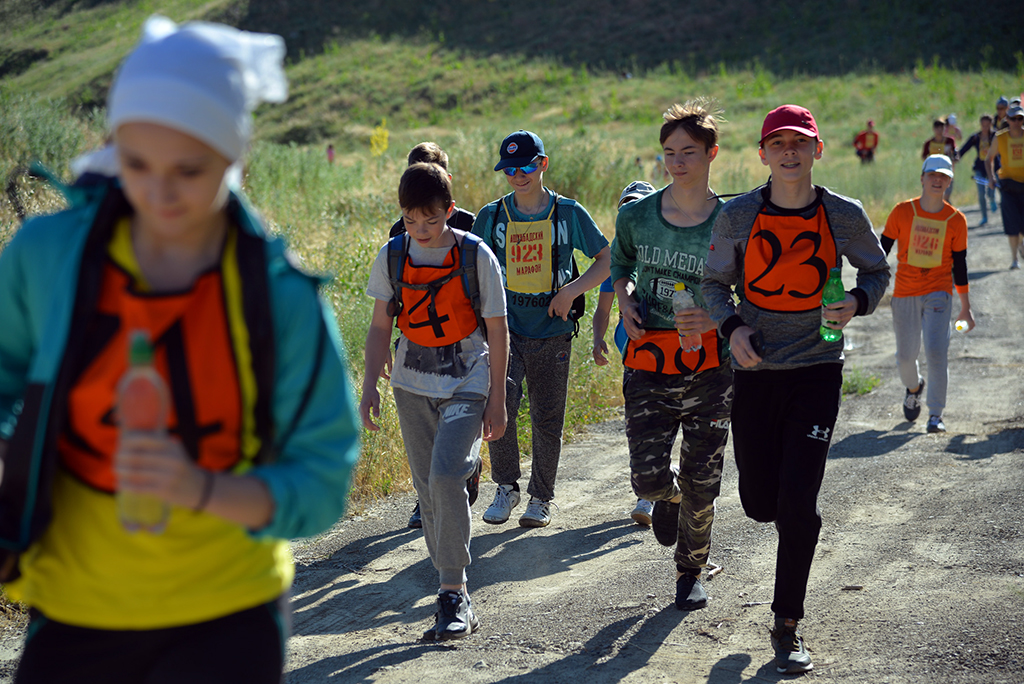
656, 255
528, 313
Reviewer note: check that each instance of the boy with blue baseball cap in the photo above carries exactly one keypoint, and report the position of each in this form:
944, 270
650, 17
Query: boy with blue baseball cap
533, 231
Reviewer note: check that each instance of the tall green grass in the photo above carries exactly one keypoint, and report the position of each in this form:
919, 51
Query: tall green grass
594, 125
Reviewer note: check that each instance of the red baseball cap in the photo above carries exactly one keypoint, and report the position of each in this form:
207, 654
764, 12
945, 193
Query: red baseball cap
789, 118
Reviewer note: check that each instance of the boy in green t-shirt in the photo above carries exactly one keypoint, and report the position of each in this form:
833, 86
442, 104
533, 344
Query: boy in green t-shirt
661, 241
533, 232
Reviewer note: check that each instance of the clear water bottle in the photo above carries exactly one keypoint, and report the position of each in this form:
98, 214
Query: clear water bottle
832, 293
142, 406
683, 299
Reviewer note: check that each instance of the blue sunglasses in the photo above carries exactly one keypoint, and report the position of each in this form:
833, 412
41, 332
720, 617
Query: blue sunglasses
528, 169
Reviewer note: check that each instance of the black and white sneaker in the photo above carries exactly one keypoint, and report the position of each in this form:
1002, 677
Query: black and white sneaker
473, 483
912, 403
415, 520
455, 617
935, 424
690, 593
665, 522
791, 655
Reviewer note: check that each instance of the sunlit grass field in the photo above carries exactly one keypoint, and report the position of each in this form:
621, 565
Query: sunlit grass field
594, 126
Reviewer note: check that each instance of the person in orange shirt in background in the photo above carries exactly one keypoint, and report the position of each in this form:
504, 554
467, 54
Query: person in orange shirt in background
866, 142
932, 259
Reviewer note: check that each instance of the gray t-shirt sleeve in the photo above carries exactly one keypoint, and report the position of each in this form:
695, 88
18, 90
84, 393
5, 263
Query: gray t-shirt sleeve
492, 288
379, 285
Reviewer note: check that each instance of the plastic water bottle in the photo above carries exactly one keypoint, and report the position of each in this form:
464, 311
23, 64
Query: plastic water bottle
683, 299
142, 406
832, 293
960, 325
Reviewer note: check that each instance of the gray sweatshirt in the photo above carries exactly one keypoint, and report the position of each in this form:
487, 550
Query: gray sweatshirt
790, 339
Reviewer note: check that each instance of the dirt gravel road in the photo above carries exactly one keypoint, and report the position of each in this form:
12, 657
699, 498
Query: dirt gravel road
918, 577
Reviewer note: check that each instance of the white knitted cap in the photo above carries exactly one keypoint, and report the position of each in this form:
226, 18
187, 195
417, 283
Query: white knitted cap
201, 79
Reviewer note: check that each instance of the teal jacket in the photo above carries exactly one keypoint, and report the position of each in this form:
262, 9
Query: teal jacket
49, 280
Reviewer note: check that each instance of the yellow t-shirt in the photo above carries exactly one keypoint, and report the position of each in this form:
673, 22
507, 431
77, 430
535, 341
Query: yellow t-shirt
85, 569
1011, 156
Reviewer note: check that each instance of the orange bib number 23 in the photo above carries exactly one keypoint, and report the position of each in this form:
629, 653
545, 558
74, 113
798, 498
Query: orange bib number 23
787, 262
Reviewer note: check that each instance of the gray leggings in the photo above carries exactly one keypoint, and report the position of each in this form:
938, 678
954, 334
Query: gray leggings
442, 441
926, 315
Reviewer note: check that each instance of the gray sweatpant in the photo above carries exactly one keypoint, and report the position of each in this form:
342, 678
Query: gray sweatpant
929, 315
544, 364
442, 442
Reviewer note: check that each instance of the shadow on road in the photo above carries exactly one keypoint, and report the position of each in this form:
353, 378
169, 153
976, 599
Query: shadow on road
361, 666
1005, 441
358, 605
871, 443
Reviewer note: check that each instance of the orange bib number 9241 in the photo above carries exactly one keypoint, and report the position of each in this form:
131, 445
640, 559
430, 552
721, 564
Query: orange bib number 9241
787, 262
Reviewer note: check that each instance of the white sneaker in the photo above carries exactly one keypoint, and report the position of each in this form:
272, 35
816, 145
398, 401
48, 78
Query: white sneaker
642, 512
538, 513
505, 499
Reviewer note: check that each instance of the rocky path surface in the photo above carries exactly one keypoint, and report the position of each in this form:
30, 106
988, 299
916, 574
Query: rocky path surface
919, 575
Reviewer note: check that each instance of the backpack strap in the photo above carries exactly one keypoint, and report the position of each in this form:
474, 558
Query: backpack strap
398, 252
470, 248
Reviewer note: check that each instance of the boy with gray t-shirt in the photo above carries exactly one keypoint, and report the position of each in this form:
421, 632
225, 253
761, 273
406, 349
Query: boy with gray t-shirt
449, 371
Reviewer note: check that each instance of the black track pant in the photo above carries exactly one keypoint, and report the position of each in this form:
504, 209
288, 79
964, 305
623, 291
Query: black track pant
243, 648
782, 422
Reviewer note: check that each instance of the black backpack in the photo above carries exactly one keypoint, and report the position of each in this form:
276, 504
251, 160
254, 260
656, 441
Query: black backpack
398, 253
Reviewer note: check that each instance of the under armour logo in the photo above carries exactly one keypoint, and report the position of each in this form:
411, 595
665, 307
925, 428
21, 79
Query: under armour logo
456, 411
819, 433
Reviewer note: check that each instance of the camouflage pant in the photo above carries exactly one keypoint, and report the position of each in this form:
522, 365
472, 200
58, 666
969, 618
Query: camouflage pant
657, 405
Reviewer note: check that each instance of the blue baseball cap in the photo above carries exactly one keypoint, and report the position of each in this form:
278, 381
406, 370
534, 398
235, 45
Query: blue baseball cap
519, 149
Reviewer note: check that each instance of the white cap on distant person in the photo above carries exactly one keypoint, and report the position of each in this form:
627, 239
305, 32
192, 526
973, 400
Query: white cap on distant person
202, 79
635, 191
937, 163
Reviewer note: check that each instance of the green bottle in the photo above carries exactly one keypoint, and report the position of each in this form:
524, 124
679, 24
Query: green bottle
832, 293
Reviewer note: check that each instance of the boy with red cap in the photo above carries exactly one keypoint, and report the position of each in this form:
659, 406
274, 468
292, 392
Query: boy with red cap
775, 246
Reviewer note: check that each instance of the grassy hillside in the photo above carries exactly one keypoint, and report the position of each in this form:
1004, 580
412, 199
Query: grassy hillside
408, 72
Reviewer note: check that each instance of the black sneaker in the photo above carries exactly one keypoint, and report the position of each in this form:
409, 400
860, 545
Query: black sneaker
935, 424
665, 522
791, 655
455, 617
415, 521
690, 594
912, 403
473, 483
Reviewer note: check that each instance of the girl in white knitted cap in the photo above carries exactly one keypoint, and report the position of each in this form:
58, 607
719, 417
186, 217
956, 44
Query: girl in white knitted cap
260, 431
